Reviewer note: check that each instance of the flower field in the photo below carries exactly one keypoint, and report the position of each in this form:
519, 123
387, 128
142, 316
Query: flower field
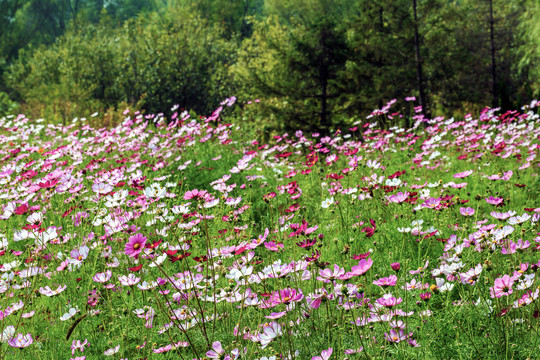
189, 238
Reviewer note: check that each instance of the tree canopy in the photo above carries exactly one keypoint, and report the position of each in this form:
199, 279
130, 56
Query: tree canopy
311, 64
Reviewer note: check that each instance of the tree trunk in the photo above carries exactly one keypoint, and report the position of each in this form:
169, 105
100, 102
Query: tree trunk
419, 76
493, 64
323, 74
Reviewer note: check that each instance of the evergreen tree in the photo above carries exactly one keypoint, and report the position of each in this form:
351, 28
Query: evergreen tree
295, 61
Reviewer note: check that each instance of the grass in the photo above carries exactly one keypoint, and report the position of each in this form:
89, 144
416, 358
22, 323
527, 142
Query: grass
241, 249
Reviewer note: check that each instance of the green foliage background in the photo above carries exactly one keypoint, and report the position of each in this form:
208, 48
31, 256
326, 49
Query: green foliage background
314, 64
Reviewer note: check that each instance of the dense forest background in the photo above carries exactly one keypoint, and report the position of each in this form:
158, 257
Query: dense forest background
310, 64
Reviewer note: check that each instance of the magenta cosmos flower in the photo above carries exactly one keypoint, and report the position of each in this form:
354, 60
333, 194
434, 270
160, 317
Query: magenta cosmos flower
502, 286
135, 245
21, 341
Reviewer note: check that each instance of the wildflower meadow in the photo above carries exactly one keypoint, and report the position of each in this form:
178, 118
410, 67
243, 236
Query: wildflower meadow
192, 238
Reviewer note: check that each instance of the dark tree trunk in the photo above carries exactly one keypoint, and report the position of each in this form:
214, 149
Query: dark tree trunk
493, 64
323, 74
419, 76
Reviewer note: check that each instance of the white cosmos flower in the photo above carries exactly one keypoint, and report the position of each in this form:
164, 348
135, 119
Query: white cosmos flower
112, 351
71, 313
393, 182
8, 333
155, 191
158, 261
35, 218
327, 202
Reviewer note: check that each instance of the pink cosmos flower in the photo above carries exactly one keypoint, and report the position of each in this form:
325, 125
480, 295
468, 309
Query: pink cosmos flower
399, 197
102, 188
270, 332
327, 275
217, 351
432, 203
471, 276
353, 351
494, 201
314, 301
163, 349
502, 286
112, 351
129, 280
272, 246
386, 281
468, 211
502, 216
196, 194
463, 174
77, 345
286, 296
47, 291
102, 277
395, 336
21, 341
275, 315
325, 355
362, 267
388, 300
135, 245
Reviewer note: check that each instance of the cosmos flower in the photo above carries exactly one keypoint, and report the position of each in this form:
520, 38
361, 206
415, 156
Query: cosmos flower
47, 291
327, 202
432, 203
502, 286
386, 281
7, 334
395, 336
102, 277
494, 201
468, 211
71, 312
129, 280
270, 332
21, 341
398, 198
135, 245
112, 351
102, 188
77, 345
217, 352
362, 267
388, 300
463, 174
325, 355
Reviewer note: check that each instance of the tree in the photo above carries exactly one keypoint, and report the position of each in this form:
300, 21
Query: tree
295, 61
529, 46
382, 66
